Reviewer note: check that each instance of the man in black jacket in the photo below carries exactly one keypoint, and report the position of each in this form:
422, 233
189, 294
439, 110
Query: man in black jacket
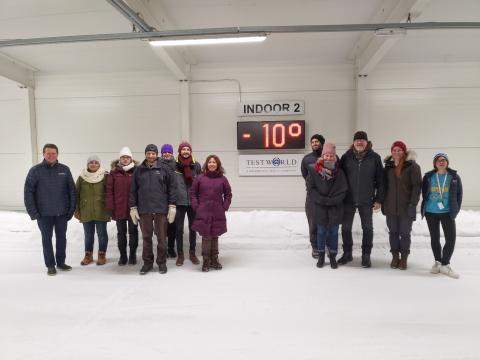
366, 192
316, 142
152, 201
49, 197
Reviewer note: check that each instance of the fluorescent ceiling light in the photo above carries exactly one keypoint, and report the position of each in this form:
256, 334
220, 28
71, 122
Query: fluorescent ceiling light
208, 41
391, 32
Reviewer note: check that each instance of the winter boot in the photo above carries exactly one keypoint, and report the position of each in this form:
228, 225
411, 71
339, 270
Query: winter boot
64, 267
395, 260
333, 260
180, 259
145, 269
366, 262
315, 253
162, 268
102, 258
321, 259
171, 253
402, 265
132, 260
345, 258
193, 257
447, 270
214, 264
123, 257
436, 267
206, 264
51, 271
88, 259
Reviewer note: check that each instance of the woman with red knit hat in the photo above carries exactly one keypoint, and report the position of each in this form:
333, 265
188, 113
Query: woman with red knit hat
403, 185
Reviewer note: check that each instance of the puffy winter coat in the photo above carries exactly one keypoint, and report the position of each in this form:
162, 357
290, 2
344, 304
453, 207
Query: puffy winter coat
49, 191
119, 183
153, 188
402, 193
210, 197
455, 192
183, 190
365, 177
308, 160
328, 196
91, 200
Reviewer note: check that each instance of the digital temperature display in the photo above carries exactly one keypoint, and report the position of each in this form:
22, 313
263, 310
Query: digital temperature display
273, 135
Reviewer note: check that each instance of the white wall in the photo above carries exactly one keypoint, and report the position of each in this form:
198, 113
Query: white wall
431, 107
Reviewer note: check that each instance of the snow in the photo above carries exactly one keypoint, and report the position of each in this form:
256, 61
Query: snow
269, 301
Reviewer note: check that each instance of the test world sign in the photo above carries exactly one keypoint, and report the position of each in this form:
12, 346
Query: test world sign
263, 108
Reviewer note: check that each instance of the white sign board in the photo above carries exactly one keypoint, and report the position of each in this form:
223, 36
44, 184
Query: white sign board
264, 108
270, 165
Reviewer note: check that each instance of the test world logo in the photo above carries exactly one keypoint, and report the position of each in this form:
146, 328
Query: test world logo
276, 161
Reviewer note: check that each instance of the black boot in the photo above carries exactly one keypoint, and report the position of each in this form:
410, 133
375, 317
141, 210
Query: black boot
171, 253
132, 260
333, 261
321, 259
123, 257
366, 263
315, 253
345, 258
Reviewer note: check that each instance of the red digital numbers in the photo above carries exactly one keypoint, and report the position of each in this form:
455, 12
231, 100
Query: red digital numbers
277, 134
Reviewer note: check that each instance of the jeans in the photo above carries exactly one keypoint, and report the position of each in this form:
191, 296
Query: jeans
89, 230
179, 221
312, 227
365, 212
449, 230
399, 234
327, 235
122, 236
46, 224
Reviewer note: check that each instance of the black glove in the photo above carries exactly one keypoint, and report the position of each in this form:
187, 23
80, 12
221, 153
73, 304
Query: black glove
34, 216
412, 212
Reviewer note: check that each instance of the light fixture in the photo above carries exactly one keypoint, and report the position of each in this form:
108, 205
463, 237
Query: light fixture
391, 32
208, 40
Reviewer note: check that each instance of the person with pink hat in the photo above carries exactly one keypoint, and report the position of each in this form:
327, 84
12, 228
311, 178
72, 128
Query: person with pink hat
327, 186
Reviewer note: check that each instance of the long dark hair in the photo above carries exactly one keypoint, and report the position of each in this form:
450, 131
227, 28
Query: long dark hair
220, 169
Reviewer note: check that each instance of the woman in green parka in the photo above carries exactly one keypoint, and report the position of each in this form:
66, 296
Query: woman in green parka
91, 209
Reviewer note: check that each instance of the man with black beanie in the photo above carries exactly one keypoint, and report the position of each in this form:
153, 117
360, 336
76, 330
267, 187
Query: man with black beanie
316, 142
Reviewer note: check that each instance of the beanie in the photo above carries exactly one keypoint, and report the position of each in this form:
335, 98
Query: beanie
151, 147
93, 158
125, 151
360, 135
166, 148
319, 138
399, 144
184, 144
329, 148
439, 155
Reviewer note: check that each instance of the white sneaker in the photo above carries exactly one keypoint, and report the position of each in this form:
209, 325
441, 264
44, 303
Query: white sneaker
447, 270
436, 267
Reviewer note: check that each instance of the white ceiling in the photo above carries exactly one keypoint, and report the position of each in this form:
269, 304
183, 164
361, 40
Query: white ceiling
41, 18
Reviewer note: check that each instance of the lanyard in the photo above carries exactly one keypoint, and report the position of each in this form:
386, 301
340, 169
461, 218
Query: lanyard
440, 189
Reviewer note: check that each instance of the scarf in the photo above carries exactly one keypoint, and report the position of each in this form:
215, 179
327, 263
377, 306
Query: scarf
185, 168
324, 172
127, 167
213, 174
94, 177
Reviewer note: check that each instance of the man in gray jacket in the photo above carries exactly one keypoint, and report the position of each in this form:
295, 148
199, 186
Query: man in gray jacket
152, 201
366, 192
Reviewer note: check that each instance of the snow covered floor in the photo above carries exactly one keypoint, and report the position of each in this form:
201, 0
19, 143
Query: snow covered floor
269, 301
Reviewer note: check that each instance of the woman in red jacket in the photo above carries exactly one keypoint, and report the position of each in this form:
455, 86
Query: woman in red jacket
210, 197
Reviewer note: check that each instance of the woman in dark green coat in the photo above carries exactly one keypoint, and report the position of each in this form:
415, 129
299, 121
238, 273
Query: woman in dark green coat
91, 209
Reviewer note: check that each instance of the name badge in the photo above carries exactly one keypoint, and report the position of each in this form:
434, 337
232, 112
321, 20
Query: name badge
440, 205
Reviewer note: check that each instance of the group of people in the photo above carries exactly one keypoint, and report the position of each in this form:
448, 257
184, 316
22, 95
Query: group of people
358, 181
155, 194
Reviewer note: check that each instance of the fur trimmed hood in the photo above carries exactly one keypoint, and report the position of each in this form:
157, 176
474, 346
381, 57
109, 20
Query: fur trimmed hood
114, 163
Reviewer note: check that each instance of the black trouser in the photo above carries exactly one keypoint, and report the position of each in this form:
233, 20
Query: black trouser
122, 236
449, 231
312, 226
47, 224
179, 221
399, 234
171, 232
365, 212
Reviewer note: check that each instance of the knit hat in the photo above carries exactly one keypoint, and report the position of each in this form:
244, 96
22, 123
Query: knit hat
125, 152
184, 144
439, 155
399, 144
166, 148
319, 138
151, 147
93, 158
329, 148
360, 135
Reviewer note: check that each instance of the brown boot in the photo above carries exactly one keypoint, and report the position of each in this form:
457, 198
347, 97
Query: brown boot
102, 258
402, 265
395, 260
88, 259
193, 257
180, 259
214, 264
206, 264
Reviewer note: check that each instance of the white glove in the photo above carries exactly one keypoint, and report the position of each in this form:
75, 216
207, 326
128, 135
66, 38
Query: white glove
172, 210
134, 215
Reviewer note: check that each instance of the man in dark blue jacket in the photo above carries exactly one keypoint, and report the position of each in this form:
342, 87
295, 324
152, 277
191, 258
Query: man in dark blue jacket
49, 197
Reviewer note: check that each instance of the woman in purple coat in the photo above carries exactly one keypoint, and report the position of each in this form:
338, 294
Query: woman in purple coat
210, 197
